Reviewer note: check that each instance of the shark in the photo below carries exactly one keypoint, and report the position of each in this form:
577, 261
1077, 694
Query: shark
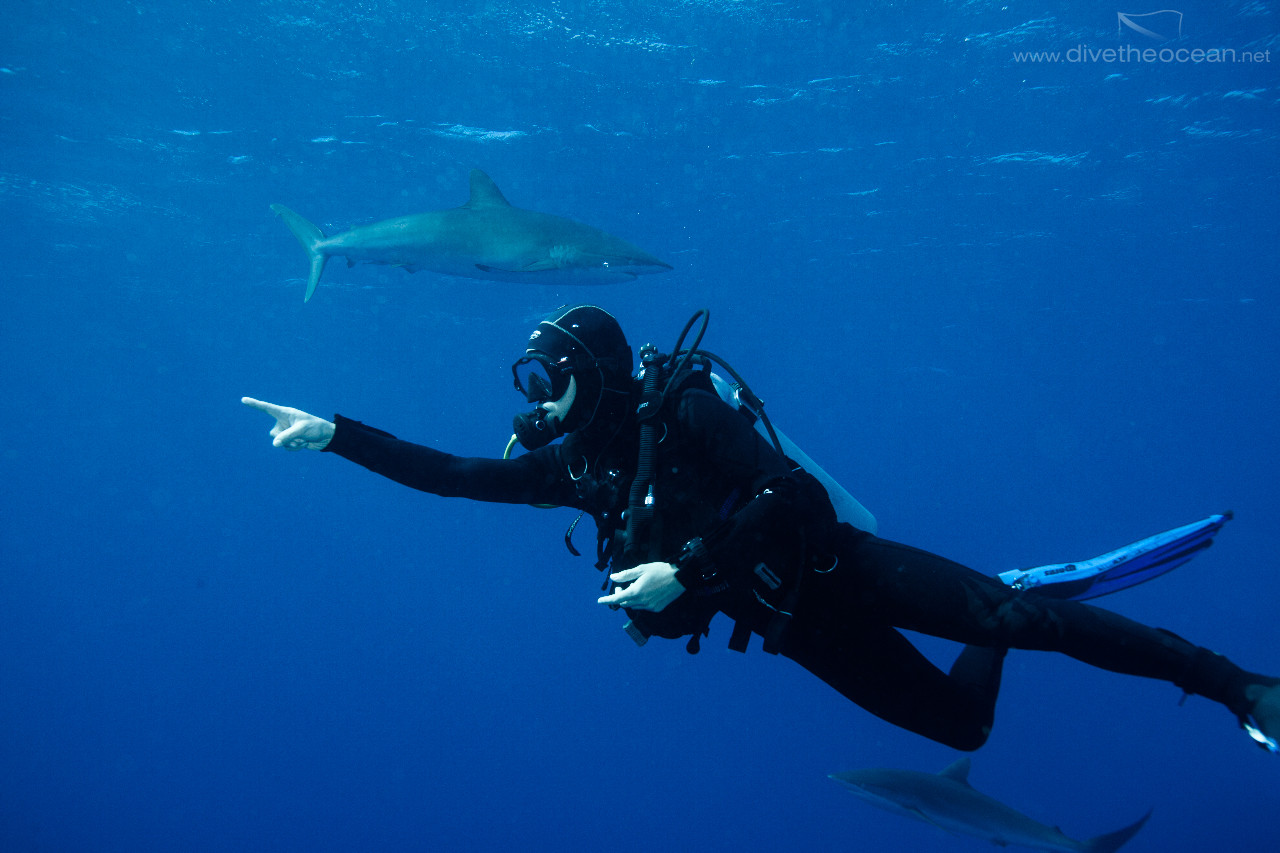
948, 801
485, 238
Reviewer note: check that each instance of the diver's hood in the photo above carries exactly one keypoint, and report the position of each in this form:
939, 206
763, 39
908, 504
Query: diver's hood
584, 342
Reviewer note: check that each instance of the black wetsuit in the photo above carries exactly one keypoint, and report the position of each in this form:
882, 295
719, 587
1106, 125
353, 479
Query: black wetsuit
770, 543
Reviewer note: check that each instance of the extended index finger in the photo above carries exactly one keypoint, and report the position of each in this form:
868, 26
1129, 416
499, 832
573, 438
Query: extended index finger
626, 575
280, 413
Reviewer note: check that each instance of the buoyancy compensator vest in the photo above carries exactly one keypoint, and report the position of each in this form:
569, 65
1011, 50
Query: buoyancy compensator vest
663, 381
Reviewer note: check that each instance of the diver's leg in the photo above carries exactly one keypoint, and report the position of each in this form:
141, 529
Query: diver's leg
980, 666
923, 592
878, 669
856, 652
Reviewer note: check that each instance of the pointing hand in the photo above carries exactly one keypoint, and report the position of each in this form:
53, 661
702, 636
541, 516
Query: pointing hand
294, 429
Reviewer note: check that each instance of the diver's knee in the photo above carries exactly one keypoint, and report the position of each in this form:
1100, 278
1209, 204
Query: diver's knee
974, 740
968, 739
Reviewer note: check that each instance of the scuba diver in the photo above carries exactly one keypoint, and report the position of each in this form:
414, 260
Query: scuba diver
698, 513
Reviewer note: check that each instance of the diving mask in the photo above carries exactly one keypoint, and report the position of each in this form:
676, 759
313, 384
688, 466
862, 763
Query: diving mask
540, 379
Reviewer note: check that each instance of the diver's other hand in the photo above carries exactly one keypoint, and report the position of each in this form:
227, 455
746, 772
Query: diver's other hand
294, 429
649, 586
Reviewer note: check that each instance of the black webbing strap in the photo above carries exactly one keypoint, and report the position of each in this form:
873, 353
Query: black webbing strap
780, 621
740, 637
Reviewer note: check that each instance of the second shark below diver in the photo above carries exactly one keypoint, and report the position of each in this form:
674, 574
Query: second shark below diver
948, 801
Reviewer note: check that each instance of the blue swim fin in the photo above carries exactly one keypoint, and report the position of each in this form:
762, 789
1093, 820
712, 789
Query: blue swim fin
1125, 567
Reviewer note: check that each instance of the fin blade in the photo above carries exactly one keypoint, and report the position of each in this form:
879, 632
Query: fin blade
1133, 564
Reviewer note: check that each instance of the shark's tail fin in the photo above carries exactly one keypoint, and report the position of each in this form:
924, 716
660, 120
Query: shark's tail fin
310, 237
1113, 841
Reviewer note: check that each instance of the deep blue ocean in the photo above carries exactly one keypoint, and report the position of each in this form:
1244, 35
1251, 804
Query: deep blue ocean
1020, 298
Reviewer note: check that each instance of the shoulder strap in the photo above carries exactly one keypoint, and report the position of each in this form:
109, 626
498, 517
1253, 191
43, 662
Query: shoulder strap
640, 500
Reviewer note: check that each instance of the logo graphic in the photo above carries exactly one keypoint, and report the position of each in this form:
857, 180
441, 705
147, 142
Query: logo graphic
1161, 26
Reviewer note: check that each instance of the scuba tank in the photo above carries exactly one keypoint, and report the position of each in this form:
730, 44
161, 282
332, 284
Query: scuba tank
846, 505
740, 397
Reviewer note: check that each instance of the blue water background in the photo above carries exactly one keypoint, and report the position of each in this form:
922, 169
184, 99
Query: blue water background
1026, 312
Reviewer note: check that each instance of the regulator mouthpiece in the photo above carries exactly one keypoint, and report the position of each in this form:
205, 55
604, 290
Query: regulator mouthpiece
534, 429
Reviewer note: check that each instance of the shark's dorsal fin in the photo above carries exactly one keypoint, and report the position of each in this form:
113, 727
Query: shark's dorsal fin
957, 772
484, 192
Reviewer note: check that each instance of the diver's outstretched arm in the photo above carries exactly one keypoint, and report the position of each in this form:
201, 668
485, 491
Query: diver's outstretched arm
294, 429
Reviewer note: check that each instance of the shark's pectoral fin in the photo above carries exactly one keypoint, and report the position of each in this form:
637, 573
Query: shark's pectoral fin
920, 814
544, 265
558, 260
